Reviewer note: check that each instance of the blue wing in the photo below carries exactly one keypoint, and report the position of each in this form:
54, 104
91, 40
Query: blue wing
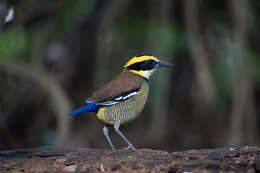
89, 107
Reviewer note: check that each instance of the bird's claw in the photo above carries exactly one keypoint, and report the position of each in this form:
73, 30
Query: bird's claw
129, 147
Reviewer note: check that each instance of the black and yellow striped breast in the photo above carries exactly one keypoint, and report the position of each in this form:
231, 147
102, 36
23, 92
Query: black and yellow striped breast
127, 110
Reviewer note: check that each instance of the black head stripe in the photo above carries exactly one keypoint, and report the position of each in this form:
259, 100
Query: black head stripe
143, 54
143, 65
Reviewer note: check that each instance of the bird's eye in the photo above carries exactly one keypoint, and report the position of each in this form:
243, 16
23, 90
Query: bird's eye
150, 62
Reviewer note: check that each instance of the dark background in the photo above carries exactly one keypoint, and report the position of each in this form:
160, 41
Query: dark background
56, 53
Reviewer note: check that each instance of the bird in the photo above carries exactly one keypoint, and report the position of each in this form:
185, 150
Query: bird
121, 100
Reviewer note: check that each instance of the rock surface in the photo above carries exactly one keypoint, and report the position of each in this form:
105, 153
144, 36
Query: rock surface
79, 160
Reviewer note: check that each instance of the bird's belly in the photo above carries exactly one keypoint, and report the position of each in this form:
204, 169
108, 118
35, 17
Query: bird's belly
123, 112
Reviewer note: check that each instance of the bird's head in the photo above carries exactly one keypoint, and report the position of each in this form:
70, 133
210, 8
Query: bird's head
145, 64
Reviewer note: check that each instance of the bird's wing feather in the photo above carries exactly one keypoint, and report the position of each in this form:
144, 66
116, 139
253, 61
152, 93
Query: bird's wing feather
119, 89
118, 99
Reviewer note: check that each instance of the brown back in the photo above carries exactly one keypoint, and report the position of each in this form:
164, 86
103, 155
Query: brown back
122, 84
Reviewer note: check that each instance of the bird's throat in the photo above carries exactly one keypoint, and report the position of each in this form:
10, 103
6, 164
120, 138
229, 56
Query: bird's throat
142, 73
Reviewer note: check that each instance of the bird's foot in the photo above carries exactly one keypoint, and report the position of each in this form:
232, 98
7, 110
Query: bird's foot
129, 147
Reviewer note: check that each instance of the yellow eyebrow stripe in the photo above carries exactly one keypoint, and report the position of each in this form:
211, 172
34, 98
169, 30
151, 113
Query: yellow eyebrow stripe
139, 59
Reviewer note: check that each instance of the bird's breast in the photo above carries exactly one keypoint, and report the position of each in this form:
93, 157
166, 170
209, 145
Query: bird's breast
125, 111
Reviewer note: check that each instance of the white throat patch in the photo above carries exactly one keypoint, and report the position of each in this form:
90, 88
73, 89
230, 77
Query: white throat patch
147, 73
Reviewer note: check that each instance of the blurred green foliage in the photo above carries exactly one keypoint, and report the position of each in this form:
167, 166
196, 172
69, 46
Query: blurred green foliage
73, 11
13, 43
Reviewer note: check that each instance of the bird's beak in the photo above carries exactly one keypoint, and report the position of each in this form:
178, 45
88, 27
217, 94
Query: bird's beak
163, 64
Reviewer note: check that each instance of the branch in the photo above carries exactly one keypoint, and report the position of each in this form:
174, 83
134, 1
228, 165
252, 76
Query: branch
58, 98
198, 51
243, 113
111, 12
159, 29
49, 159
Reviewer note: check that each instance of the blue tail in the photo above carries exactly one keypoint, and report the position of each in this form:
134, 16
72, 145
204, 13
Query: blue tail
90, 107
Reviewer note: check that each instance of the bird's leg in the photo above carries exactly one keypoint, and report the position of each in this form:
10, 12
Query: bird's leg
105, 131
116, 127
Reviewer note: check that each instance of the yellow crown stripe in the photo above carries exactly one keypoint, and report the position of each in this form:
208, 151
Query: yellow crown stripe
139, 59
140, 73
